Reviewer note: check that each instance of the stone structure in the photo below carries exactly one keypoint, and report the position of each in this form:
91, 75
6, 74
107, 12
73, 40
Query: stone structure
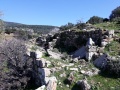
91, 49
86, 51
42, 72
84, 44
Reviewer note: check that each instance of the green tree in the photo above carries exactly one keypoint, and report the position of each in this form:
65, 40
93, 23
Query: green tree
81, 25
95, 20
67, 26
115, 13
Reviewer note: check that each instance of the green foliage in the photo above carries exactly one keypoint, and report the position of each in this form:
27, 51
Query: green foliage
40, 29
115, 13
95, 20
81, 25
108, 25
8, 31
15, 66
105, 83
116, 19
113, 48
67, 26
113, 68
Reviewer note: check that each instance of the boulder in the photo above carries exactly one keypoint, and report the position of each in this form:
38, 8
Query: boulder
75, 60
48, 63
62, 75
101, 62
104, 43
38, 54
83, 85
52, 84
71, 78
82, 71
47, 79
74, 69
92, 72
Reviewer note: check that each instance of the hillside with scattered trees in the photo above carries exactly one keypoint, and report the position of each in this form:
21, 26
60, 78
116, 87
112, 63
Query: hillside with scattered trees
81, 56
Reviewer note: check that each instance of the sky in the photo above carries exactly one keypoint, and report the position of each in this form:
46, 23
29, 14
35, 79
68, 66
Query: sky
55, 12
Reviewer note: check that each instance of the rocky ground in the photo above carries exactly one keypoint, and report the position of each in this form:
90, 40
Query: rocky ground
60, 71
71, 74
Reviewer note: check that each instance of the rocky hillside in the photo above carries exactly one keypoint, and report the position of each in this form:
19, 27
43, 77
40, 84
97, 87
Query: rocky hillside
91, 62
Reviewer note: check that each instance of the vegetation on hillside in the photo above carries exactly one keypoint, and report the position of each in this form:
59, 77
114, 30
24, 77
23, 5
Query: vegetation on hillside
15, 66
95, 20
40, 29
115, 13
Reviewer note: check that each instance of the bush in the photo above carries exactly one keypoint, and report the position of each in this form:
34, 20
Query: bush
116, 19
81, 25
112, 68
95, 20
24, 35
115, 13
67, 26
9, 31
15, 66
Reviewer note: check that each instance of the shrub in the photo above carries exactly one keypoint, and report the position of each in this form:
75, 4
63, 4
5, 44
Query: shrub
112, 68
81, 25
115, 13
15, 66
95, 20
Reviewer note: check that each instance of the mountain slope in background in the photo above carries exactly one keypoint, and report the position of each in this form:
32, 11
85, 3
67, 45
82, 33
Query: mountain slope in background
44, 29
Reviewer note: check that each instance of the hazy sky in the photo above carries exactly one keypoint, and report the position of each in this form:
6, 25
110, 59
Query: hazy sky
55, 12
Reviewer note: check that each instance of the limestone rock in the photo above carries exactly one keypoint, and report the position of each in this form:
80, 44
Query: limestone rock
75, 60
83, 85
38, 54
71, 78
47, 79
90, 42
101, 62
74, 69
52, 84
82, 71
104, 43
63, 75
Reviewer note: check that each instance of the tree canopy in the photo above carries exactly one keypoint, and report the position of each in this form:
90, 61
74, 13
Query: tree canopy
115, 13
95, 20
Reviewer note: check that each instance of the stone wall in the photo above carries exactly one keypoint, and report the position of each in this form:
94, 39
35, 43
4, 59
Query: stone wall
73, 39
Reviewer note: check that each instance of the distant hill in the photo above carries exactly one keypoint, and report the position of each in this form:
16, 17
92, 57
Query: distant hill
44, 29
